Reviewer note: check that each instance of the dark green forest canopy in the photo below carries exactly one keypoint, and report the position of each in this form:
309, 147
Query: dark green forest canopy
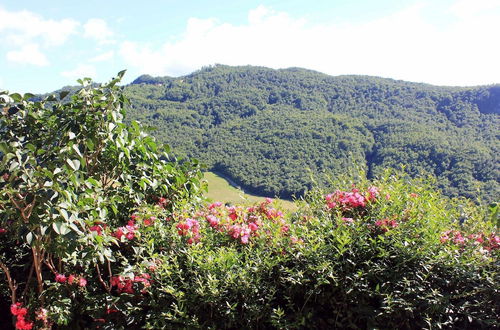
272, 130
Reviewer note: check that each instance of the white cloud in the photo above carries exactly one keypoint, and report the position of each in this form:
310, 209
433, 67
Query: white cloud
97, 29
468, 8
23, 27
81, 71
103, 57
404, 45
28, 54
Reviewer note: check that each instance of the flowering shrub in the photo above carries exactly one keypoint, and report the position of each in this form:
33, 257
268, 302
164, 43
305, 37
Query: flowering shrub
98, 231
72, 175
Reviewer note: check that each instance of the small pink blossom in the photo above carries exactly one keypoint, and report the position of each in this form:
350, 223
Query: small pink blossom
82, 282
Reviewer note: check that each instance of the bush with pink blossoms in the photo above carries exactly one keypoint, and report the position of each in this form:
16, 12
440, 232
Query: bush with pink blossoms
103, 232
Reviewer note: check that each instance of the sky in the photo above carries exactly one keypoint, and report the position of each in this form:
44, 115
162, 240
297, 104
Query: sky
45, 45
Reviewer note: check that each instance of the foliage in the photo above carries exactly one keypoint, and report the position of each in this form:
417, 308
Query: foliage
97, 230
68, 171
262, 127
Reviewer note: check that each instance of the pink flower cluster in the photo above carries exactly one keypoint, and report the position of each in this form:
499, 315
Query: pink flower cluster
20, 313
162, 202
128, 231
243, 224
191, 229
386, 224
71, 279
487, 242
126, 285
348, 200
98, 227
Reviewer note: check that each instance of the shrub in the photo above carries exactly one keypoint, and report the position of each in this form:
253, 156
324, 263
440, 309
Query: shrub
98, 230
72, 173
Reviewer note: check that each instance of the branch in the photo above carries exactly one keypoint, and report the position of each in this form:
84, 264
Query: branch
107, 287
12, 283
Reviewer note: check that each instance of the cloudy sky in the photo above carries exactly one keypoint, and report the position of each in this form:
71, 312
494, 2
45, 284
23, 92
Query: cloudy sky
45, 45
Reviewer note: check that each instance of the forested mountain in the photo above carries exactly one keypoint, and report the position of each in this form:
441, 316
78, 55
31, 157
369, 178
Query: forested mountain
271, 131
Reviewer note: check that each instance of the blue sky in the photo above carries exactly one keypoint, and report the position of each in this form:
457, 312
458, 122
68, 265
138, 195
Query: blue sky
45, 45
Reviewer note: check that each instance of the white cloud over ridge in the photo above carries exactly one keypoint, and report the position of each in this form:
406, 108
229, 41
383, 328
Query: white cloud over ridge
97, 29
24, 33
28, 54
103, 57
404, 45
23, 27
81, 71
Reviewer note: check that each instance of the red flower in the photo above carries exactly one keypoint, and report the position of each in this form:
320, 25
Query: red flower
71, 279
17, 310
149, 221
22, 324
2, 230
96, 228
60, 278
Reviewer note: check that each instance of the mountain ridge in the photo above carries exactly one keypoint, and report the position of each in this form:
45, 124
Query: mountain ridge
263, 127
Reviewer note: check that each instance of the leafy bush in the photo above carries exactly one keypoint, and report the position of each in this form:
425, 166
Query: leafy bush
98, 230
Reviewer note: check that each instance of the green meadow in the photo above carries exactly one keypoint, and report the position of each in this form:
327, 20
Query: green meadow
221, 190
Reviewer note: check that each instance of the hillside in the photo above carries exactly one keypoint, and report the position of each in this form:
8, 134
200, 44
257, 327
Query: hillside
271, 131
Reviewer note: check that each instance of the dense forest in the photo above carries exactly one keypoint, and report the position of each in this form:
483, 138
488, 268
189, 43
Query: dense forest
274, 131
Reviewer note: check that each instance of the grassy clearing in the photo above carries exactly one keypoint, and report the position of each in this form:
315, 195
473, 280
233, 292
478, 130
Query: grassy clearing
219, 189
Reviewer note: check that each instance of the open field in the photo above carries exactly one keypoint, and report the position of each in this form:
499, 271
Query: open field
221, 190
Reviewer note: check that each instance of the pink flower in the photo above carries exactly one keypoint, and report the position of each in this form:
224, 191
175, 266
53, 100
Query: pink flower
82, 282
149, 221
253, 226
214, 205
348, 220
182, 228
459, 239
269, 200
233, 215
71, 279
96, 228
130, 236
373, 193
119, 233
3, 231
60, 278
386, 224
41, 314
212, 220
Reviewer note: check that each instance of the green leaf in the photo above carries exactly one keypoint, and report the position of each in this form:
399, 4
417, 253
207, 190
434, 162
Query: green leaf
121, 74
16, 97
64, 214
29, 238
61, 228
14, 165
74, 164
57, 227
77, 150
28, 96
